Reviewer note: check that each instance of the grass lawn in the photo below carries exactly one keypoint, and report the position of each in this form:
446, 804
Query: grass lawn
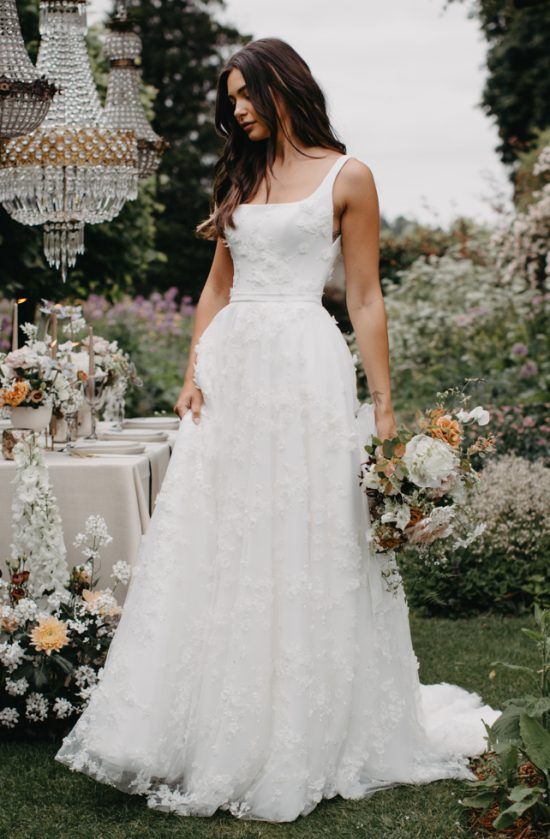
41, 798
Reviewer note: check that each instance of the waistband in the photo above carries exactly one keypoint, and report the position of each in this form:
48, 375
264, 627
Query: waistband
274, 297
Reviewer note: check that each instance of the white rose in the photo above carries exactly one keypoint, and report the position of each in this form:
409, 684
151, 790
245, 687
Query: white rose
429, 461
81, 361
23, 358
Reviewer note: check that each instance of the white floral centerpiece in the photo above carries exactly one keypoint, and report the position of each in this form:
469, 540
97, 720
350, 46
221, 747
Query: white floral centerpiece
418, 483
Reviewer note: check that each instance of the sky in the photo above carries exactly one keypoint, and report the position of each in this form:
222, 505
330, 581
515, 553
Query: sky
403, 79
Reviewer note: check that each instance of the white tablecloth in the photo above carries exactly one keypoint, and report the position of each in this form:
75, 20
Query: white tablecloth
121, 488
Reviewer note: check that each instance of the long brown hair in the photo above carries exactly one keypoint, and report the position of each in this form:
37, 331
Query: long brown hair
268, 66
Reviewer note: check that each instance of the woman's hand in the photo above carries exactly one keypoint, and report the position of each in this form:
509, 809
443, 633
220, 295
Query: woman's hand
190, 399
386, 426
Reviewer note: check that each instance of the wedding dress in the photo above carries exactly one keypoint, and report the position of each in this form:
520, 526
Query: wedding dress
260, 663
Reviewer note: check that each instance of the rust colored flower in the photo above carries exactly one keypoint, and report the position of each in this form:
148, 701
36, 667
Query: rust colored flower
19, 578
9, 624
416, 516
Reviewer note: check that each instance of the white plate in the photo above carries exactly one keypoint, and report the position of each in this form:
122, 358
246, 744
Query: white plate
146, 436
152, 422
110, 447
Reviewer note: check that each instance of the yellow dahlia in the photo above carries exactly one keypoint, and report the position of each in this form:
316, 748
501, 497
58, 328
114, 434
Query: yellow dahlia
50, 635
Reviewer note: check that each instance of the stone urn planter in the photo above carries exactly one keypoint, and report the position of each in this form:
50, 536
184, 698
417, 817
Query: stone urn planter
35, 419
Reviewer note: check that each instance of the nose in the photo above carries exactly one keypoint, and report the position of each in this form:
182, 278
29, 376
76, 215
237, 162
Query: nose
240, 110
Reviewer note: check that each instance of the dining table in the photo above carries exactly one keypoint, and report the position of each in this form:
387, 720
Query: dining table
120, 487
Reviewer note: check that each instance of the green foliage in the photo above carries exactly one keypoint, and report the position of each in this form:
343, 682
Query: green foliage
515, 773
184, 49
156, 332
517, 90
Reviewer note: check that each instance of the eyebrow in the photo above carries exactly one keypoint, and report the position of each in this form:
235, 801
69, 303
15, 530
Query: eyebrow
230, 96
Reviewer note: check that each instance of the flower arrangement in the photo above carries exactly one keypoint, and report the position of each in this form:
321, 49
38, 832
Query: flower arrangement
55, 626
418, 482
27, 375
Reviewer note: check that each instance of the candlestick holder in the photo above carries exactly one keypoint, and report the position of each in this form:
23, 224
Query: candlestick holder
94, 394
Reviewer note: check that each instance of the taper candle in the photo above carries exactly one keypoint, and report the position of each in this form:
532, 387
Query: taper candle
53, 345
15, 326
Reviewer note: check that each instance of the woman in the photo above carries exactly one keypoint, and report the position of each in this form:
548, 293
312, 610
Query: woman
260, 663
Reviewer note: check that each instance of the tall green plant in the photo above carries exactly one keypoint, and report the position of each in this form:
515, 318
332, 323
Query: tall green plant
516, 770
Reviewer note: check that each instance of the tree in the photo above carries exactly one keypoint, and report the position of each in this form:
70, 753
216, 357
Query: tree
517, 90
184, 49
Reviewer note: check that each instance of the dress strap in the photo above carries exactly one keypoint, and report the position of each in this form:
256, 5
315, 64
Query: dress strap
330, 177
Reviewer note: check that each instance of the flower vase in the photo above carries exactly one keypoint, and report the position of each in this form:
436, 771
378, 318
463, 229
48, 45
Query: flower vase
35, 419
61, 430
84, 420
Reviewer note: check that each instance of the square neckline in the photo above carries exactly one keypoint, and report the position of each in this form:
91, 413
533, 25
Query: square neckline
301, 200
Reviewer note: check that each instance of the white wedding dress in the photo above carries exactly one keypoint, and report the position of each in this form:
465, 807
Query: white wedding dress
260, 663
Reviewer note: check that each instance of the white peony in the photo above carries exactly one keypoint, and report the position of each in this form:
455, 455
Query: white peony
429, 461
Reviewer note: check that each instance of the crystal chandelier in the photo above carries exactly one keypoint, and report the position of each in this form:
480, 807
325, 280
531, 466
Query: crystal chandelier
73, 169
24, 96
123, 108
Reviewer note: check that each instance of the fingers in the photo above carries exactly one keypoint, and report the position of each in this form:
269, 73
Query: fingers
196, 402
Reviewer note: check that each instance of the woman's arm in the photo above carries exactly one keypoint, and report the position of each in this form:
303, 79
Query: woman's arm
214, 296
355, 192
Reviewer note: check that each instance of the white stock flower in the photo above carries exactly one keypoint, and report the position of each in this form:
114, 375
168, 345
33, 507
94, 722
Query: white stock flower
11, 655
62, 708
9, 717
429, 461
121, 572
36, 707
16, 687
25, 610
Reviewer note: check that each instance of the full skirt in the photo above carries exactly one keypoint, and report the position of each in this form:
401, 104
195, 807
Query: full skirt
260, 663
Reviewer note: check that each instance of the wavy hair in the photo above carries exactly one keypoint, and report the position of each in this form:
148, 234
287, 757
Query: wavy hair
271, 68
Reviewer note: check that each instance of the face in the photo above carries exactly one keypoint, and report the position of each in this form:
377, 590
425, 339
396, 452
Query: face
243, 110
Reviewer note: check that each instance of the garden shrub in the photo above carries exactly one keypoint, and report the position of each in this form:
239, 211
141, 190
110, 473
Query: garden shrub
506, 568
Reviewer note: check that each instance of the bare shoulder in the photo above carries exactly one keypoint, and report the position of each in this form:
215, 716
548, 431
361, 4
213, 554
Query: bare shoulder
354, 184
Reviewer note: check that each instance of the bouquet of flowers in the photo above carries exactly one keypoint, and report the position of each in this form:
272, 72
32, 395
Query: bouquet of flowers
417, 482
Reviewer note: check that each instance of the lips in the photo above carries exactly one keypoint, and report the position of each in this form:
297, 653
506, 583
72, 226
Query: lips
246, 125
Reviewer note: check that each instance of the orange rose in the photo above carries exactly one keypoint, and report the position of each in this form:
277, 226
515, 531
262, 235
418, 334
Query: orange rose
446, 429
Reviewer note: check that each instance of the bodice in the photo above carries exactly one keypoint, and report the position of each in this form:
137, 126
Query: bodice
285, 251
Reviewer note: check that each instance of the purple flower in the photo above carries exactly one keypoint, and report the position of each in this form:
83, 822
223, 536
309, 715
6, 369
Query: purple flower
519, 349
528, 370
